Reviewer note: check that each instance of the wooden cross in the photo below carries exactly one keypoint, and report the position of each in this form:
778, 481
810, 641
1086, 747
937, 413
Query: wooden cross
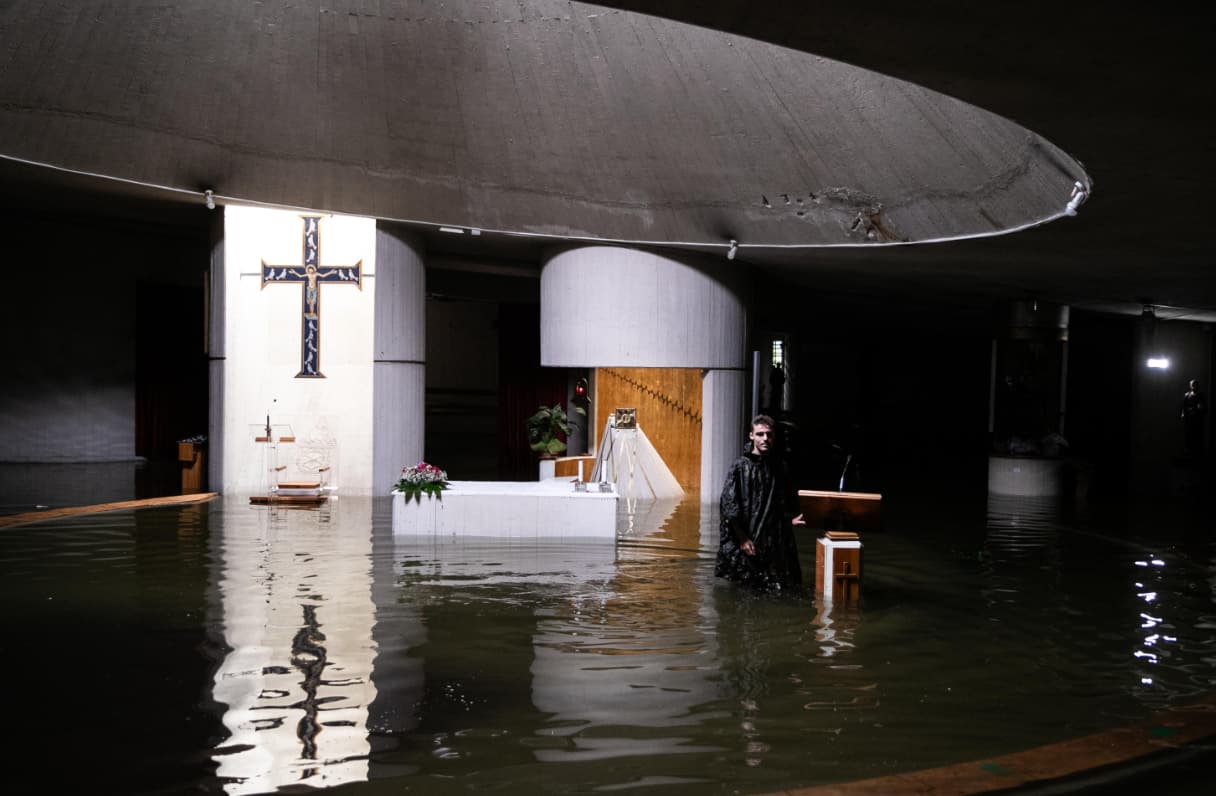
847, 582
310, 276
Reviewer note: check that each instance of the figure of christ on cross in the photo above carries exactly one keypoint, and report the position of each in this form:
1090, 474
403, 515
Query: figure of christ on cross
310, 276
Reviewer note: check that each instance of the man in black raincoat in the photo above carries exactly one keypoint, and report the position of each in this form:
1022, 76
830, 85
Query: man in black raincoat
759, 508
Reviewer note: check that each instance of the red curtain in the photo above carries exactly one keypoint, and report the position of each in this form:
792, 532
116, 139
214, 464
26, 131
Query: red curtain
523, 386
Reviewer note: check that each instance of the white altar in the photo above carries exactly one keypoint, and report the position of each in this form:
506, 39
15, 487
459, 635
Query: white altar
549, 509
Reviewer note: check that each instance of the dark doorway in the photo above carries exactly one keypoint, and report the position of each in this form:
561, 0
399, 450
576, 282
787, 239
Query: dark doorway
170, 381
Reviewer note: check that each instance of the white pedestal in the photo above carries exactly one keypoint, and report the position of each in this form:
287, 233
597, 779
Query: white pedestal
836, 559
509, 509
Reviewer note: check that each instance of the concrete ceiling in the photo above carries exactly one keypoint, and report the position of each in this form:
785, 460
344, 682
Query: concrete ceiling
667, 123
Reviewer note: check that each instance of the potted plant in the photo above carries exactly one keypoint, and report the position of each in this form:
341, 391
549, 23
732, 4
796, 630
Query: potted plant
547, 430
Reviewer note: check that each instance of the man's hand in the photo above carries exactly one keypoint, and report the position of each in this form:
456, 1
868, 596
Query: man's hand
748, 547
798, 520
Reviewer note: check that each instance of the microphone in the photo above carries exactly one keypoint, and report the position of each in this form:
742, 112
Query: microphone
847, 461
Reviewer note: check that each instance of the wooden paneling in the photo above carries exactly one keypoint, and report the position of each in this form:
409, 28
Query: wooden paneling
668, 401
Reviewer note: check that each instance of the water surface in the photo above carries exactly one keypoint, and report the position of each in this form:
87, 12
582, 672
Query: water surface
223, 648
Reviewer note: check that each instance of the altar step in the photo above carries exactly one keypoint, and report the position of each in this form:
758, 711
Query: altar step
288, 500
293, 493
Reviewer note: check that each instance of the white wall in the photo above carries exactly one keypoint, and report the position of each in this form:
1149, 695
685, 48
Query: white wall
330, 417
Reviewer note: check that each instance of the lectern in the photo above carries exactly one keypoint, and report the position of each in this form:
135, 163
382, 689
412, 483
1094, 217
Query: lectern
268, 437
192, 457
841, 511
841, 516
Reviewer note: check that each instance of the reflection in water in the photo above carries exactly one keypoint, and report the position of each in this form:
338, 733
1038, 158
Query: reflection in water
1173, 650
1021, 528
770, 652
1025, 532
646, 520
788, 669
1155, 629
835, 628
340, 654
297, 616
615, 647
637, 655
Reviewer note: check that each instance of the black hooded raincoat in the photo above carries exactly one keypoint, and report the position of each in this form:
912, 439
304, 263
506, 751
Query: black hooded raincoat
759, 498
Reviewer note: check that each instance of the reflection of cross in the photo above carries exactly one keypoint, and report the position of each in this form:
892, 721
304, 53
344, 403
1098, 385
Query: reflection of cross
311, 276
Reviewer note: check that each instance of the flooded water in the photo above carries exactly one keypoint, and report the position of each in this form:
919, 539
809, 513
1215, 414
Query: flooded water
223, 648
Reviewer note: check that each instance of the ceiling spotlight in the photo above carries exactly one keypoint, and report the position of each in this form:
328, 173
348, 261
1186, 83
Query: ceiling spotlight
210, 199
733, 250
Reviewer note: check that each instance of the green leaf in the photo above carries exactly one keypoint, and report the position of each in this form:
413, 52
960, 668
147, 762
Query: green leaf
545, 427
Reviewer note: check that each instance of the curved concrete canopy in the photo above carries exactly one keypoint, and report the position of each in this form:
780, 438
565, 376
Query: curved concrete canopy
546, 118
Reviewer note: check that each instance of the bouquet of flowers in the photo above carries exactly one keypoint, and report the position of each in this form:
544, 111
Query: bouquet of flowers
419, 478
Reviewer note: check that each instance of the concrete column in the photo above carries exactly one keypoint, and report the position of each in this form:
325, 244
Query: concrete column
1027, 396
723, 425
609, 306
1026, 400
216, 353
399, 364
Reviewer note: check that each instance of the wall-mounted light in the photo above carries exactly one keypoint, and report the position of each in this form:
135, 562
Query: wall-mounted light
733, 250
1148, 339
209, 198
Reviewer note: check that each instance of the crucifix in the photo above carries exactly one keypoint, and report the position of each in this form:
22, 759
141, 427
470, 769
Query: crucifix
310, 276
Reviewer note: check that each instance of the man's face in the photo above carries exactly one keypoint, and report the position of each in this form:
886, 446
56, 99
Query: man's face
762, 438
